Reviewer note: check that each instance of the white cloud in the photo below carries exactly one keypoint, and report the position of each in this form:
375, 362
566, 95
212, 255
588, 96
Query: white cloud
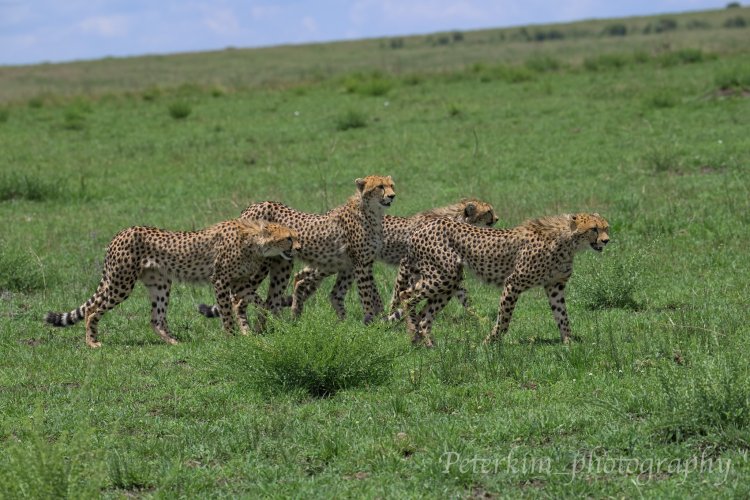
223, 22
310, 25
105, 26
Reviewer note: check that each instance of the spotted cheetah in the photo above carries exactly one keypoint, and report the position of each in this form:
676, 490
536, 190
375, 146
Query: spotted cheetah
397, 234
344, 241
537, 253
228, 255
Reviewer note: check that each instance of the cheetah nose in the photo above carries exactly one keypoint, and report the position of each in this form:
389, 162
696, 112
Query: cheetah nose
391, 196
605, 241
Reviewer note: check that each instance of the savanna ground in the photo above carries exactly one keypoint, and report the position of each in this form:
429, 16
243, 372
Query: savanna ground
649, 128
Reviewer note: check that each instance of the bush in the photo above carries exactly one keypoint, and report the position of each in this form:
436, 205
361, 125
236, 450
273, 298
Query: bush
711, 402
615, 30
74, 119
615, 280
735, 78
662, 99
698, 24
180, 110
19, 272
351, 119
319, 360
661, 26
606, 61
372, 84
542, 64
15, 186
735, 22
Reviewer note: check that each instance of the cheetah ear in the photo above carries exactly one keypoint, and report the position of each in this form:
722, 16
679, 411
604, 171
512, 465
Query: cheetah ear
360, 184
470, 210
596, 214
573, 224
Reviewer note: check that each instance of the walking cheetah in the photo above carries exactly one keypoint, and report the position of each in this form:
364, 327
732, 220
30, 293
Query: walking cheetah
344, 241
228, 254
539, 252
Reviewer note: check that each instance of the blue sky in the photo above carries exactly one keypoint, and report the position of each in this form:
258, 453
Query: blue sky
33, 31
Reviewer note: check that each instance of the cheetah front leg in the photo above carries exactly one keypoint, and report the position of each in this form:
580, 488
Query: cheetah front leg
368, 292
427, 316
505, 311
556, 296
241, 298
224, 303
279, 273
344, 281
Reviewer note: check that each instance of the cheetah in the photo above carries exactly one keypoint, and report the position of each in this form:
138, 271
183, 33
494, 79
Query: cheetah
539, 252
397, 233
228, 255
344, 241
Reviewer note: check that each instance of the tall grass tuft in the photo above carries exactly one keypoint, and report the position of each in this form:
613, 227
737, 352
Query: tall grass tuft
615, 281
180, 110
319, 361
4, 115
710, 402
18, 186
34, 467
19, 272
373, 83
351, 118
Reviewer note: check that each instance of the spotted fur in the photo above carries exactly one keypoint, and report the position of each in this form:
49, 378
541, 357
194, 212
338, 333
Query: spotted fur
539, 252
229, 255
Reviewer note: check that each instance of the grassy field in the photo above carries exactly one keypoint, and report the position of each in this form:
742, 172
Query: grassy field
652, 398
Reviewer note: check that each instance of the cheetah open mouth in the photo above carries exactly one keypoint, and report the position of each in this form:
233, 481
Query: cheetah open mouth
286, 255
386, 202
597, 247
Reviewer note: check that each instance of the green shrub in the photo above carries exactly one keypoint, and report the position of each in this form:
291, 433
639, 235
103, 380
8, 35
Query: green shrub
74, 119
710, 401
180, 110
606, 61
351, 118
661, 26
698, 24
320, 360
36, 102
734, 78
17, 186
19, 271
151, 93
663, 98
735, 22
618, 29
682, 56
371, 84
36, 464
614, 283
662, 160
543, 64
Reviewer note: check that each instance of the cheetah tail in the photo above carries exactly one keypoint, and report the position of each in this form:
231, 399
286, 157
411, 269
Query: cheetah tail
68, 318
209, 311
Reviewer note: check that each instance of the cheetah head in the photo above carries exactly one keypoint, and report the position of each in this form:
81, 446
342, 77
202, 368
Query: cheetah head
477, 213
376, 190
592, 229
275, 239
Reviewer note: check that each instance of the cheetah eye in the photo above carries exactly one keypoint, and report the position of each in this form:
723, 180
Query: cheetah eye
595, 230
381, 187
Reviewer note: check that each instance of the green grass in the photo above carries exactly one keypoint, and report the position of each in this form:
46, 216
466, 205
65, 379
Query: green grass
652, 391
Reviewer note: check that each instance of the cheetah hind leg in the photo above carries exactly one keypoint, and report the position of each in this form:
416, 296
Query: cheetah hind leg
158, 291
